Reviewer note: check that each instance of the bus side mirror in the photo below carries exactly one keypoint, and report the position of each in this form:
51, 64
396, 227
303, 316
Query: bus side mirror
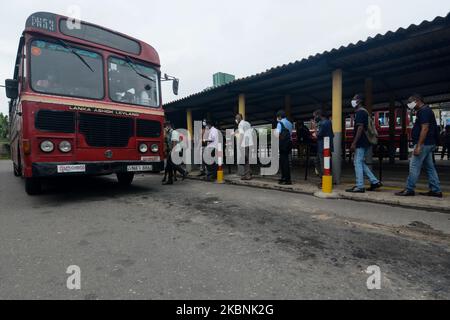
176, 86
12, 89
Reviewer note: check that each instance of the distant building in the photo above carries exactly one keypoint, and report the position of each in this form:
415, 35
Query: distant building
220, 79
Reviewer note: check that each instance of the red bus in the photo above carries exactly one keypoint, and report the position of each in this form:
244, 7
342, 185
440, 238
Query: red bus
381, 119
84, 100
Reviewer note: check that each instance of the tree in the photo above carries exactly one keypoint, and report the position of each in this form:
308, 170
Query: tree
4, 126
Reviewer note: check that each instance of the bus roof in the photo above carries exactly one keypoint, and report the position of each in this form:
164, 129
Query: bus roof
89, 34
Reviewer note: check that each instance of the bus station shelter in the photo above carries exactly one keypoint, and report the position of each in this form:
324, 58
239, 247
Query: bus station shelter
386, 68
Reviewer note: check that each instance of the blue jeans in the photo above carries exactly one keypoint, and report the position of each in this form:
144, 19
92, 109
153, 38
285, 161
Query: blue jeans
415, 167
361, 168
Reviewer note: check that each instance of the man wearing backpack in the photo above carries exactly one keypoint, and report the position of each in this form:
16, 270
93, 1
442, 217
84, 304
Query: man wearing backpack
425, 136
284, 131
361, 146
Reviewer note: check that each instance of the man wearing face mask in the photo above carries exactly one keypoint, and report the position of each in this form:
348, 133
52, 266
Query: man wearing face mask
284, 132
211, 150
172, 145
205, 133
324, 129
360, 147
244, 135
425, 138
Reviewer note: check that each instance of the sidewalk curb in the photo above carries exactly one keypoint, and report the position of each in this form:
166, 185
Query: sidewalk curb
339, 194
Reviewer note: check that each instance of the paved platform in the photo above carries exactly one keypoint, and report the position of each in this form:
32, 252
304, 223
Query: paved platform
394, 178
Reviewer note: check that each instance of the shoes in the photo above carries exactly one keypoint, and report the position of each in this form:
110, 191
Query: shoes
375, 187
168, 183
406, 193
432, 194
356, 190
285, 183
185, 175
246, 178
202, 174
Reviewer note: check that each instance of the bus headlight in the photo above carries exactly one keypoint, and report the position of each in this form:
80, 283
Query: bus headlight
65, 146
143, 148
47, 146
155, 148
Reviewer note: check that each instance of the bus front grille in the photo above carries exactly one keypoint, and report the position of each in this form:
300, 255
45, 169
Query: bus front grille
106, 131
148, 129
55, 121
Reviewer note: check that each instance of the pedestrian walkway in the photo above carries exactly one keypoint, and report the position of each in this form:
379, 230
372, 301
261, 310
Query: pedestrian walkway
394, 178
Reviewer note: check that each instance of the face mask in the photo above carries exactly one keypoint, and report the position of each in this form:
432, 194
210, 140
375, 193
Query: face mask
354, 103
412, 105
204, 123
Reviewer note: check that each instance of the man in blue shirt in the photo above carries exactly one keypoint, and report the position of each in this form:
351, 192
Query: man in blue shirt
284, 131
361, 146
425, 137
324, 129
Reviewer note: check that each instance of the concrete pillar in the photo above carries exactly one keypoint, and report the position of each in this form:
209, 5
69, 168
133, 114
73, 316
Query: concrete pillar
242, 105
190, 129
288, 106
337, 124
369, 106
392, 126
189, 122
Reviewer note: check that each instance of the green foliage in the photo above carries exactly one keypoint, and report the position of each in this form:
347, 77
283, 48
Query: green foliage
4, 127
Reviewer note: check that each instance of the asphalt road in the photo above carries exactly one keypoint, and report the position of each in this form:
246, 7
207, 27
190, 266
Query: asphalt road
205, 241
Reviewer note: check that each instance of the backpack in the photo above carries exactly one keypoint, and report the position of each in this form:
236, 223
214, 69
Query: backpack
285, 139
372, 132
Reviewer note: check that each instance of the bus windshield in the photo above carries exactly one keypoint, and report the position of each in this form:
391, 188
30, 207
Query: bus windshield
133, 83
56, 69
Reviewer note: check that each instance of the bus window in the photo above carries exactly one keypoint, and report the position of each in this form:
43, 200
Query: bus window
57, 70
133, 83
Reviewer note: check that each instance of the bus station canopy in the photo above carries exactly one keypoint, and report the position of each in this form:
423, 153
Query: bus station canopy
397, 64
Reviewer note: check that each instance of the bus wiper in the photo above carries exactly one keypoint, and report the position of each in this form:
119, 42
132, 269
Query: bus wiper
73, 51
131, 64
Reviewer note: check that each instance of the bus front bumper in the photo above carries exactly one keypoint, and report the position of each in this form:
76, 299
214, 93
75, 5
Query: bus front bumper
41, 170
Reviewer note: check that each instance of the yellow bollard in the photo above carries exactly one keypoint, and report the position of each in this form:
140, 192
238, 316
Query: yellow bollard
220, 175
327, 184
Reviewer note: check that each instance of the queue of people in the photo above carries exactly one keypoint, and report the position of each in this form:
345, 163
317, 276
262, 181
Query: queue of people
425, 137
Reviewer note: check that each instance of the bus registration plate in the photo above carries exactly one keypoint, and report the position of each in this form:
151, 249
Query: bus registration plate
139, 168
79, 168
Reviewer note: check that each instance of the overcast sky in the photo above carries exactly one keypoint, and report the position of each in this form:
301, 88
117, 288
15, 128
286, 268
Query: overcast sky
197, 38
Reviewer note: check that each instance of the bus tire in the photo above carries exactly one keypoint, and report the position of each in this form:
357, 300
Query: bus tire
33, 186
17, 171
18, 167
125, 179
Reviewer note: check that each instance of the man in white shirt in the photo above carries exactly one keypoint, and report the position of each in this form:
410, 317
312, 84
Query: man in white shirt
211, 149
245, 141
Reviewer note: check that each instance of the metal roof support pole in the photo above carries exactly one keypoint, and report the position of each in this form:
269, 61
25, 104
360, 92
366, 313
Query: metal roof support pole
337, 124
369, 106
288, 106
242, 105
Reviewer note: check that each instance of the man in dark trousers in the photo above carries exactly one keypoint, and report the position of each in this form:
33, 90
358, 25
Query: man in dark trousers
324, 130
425, 137
172, 145
284, 131
361, 147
